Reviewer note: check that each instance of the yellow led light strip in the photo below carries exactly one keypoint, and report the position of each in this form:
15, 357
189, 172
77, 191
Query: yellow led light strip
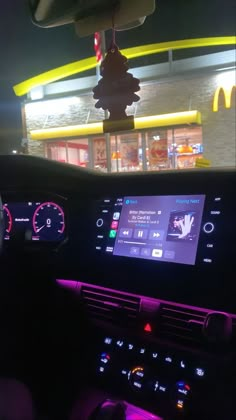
69, 131
134, 52
165, 120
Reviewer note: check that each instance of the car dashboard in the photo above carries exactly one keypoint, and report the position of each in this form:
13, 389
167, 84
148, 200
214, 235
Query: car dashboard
150, 259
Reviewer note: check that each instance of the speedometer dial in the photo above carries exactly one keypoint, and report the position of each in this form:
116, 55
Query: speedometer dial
7, 221
49, 222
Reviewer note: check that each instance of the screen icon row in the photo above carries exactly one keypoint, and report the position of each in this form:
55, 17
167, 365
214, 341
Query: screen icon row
149, 252
146, 252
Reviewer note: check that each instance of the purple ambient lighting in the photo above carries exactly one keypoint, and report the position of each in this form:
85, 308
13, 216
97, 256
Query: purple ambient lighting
77, 285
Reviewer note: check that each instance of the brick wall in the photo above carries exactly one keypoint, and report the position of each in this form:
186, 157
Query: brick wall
36, 148
171, 95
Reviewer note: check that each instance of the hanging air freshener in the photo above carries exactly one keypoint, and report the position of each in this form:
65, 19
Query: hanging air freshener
116, 90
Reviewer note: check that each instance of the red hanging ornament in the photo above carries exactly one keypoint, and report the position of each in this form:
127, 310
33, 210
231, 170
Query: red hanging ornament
98, 46
116, 89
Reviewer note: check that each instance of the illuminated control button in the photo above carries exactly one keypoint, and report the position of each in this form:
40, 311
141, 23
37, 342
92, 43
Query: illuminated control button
184, 390
134, 250
208, 227
162, 388
112, 234
157, 253
136, 377
207, 260
124, 372
108, 340
200, 372
137, 384
130, 346
180, 404
125, 233
140, 373
116, 215
105, 357
99, 223
142, 351
182, 364
109, 249
154, 355
101, 369
147, 327
120, 343
168, 359
156, 386
145, 252
114, 224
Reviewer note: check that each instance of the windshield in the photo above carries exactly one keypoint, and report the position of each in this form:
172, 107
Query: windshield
184, 57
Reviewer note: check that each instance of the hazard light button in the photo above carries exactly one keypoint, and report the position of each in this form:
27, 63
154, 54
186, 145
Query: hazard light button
148, 328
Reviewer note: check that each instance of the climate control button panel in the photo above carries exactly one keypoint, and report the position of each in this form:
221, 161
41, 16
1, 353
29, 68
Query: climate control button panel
152, 372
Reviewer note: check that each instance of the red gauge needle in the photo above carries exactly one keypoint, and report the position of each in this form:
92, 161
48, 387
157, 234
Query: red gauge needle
38, 230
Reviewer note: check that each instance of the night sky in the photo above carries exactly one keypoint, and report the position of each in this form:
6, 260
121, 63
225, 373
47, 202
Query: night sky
26, 50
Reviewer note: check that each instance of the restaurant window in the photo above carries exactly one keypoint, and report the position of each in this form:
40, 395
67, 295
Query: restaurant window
186, 147
99, 154
77, 152
126, 152
56, 151
157, 150
176, 148
73, 151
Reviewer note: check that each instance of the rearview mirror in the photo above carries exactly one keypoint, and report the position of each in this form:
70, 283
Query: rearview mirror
91, 16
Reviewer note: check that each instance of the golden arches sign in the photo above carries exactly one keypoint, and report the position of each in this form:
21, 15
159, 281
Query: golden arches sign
227, 93
143, 50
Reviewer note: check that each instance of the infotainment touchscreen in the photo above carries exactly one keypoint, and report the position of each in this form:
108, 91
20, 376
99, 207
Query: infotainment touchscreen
160, 228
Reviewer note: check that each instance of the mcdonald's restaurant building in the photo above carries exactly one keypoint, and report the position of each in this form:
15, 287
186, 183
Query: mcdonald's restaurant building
186, 112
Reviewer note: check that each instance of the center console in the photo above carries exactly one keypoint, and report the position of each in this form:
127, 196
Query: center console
163, 378
162, 302
171, 247
172, 360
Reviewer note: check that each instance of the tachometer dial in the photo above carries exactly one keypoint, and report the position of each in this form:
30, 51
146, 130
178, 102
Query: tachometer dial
49, 221
7, 221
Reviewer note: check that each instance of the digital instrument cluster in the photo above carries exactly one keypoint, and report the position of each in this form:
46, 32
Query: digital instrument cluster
36, 221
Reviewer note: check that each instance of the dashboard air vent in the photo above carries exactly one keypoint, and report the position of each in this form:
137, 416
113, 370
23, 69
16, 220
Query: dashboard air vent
181, 323
110, 306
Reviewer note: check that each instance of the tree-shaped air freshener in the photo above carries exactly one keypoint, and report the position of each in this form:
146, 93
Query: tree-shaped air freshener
116, 90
